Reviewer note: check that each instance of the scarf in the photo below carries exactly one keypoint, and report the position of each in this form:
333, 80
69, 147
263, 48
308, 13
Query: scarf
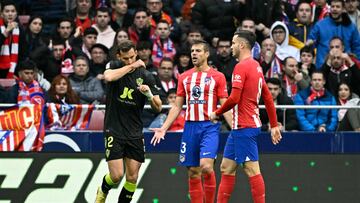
275, 68
314, 95
164, 16
168, 85
339, 70
291, 88
161, 50
31, 93
84, 24
9, 50
255, 51
323, 13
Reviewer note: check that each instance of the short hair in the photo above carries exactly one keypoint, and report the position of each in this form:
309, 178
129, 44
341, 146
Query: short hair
8, 3
84, 58
317, 72
126, 46
287, 58
103, 10
341, 1
307, 49
65, 19
26, 64
194, 29
58, 41
299, 4
204, 43
337, 38
142, 45
163, 21
274, 81
171, 91
248, 36
90, 31
223, 39
166, 59
141, 9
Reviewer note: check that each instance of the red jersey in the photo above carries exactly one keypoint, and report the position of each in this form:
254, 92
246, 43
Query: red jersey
201, 91
249, 79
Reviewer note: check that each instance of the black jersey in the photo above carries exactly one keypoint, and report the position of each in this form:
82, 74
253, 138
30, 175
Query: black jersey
125, 103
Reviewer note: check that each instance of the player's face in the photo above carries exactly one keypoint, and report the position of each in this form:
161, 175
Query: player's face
317, 81
198, 55
235, 43
274, 90
344, 91
128, 57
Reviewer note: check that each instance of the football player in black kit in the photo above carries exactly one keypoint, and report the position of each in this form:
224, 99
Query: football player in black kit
129, 86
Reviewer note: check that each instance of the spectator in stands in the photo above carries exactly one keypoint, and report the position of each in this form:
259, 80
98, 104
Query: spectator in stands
339, 68
182, 62
87, 87
293, 79
141, 29
163, 46
249, 24
106, 34
270, 63
144, 49
216, 18
33, 35
39, 76
61, 91
12, 40
301, 26
178, 124
280, 34
352, 8
65, 29
26, 89
120, 36
192, 35
89, 38
274, 85
165, 79
341, 26
82, 14
155, 7
99, 59
321, 120
307, 56
349, 119
320, 10
120, 17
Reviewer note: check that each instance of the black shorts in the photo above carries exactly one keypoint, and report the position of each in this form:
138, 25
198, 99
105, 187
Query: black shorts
116, 148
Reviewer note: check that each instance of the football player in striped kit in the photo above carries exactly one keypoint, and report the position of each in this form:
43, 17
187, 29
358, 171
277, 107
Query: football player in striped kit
201, 88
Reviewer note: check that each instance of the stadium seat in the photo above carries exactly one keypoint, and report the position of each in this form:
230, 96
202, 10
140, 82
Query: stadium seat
7, 83
97, 120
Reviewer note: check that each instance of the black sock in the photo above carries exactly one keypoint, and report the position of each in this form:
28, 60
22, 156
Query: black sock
105, 187
126, 195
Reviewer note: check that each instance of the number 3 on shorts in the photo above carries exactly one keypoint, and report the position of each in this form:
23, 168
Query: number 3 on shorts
183, 147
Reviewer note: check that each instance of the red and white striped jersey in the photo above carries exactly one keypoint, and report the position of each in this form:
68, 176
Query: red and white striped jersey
202, 91
249, 78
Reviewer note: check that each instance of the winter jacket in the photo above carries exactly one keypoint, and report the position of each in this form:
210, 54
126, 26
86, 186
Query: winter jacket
298, 34
89, 88
326, 29
312, 119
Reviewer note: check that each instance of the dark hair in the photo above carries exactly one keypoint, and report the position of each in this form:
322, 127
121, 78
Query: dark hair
26, 64
337, 38
338, 87
8, 3
318, 72
166, 59
204, 43
65, 19
163, 21
299, 4
307, 49
171, 91
141, 9
247, 18
90, 31
84, 58
194, 29
142, 45
248, 36
103, 10
70, 97
341, 1
286, 59
100, 46
117, 33
125, 46
58, 41
274, 81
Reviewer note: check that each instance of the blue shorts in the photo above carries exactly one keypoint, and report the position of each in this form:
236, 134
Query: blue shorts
199, 140
241, 145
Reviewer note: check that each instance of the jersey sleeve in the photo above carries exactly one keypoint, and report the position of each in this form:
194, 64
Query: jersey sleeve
114, 64
180, 87
222, 89
239, 76
150, 81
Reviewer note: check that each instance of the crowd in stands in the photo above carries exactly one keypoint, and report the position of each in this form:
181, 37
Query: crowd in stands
309, 51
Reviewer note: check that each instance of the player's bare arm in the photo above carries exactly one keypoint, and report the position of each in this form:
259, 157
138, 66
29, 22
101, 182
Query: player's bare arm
227, 115
172, 115
155, 101
115, 74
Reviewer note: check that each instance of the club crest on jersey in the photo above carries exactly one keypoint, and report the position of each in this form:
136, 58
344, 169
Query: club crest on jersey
196, 92
207, 80
237, 78
139, 81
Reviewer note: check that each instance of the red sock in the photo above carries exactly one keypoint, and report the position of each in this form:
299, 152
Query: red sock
209, 187
257, 188
225, 188
196, 190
